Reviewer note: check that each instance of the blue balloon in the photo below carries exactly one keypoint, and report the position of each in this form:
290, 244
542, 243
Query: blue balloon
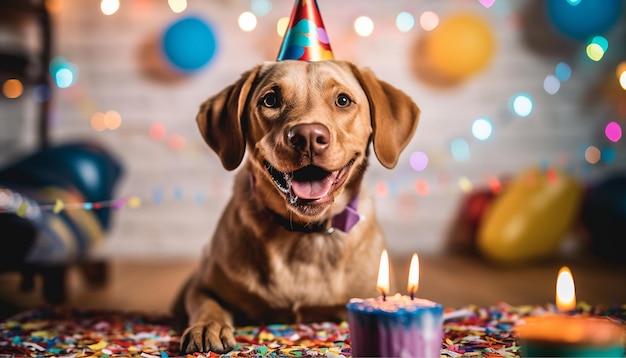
583, 19
86, 167
189, 44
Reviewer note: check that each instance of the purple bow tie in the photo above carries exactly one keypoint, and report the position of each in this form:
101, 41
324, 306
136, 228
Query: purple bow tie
349, 217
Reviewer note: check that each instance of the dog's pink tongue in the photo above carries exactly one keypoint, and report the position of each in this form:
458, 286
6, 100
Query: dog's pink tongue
312, 189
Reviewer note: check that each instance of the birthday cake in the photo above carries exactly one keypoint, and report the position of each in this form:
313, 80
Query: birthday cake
468, 332
398, 326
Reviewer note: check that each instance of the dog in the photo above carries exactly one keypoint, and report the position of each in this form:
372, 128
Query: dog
283, 250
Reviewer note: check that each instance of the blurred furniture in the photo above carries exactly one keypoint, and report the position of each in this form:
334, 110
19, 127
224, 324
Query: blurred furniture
39, 238
29, 65
55, 207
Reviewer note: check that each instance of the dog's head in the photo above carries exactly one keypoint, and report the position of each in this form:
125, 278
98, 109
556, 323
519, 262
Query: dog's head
308, 126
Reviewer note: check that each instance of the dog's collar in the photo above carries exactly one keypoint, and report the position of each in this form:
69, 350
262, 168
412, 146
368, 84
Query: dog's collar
343, 221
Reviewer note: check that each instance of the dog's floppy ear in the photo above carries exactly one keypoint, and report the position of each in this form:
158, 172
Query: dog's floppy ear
394, 116
221, 120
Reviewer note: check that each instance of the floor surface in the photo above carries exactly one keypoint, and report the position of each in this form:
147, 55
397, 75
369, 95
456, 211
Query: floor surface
453, 280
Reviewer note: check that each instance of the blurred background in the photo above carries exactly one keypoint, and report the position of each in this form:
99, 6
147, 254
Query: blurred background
518, 155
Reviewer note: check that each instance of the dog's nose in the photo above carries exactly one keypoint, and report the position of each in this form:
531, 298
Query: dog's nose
310, 138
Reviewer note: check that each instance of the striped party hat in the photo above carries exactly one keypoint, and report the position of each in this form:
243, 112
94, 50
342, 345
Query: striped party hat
305, 38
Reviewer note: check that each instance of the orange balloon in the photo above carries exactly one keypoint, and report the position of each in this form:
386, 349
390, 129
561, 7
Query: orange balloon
461, 45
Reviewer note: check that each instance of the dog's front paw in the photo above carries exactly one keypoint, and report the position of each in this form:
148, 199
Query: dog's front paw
209, 337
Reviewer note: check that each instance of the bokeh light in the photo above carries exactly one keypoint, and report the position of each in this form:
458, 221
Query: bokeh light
109, 7
260, 7
592, 154
177, 6
64, 78
176, 142
621, 74
460, 150
421, 187
133, 202
41, 93
281, 26
429, 20
563, 71
574, 2
405, 22
178, 194
495, 185
198, 198
364, 26
382, 189
12, 88
482, 128
157, 196
522, 104
97, 122
112, 120
613, 131
247, 21
551, 174
157, 131
418, 161
54, 6
602, 42
595, 52
63, 72
607, 154
465, 184
551, 84
597, 47
621, 68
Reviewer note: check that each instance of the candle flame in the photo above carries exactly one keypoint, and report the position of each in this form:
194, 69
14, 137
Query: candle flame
414, 275
565, 290
382, 284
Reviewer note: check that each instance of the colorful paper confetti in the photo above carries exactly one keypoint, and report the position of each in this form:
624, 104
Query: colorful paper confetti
56, 332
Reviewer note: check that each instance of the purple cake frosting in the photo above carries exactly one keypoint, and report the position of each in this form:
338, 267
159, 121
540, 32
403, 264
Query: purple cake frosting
396, 327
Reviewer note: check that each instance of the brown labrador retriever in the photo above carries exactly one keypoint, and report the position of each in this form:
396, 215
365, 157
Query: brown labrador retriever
284, 249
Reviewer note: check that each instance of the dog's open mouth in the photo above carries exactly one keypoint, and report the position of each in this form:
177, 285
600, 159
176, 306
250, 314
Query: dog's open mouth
308, 184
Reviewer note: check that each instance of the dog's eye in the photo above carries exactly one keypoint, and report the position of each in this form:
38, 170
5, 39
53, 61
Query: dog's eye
270, 100
343, 101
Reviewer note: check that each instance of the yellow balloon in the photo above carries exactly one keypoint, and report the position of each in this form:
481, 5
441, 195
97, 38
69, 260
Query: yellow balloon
530, 219
460, 46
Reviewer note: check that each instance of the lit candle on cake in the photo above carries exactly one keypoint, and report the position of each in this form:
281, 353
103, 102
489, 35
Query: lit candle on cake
398, 325
414, 276
566, 335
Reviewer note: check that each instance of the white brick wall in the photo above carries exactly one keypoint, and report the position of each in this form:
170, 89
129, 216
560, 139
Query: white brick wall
106, 50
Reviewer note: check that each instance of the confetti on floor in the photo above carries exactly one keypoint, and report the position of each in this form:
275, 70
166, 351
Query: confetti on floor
54, 332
